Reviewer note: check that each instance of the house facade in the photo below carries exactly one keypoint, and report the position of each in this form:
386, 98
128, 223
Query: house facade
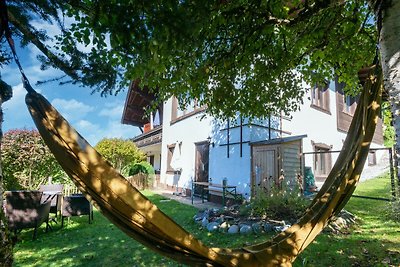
187, 145
325, 117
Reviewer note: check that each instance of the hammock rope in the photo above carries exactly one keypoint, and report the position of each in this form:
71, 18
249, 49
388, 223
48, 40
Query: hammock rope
133, 213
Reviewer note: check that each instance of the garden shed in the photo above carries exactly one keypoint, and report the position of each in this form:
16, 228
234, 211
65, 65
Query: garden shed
270, 159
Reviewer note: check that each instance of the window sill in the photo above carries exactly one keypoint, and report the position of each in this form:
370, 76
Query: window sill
194, 112
173, 172
325, 110
351, 114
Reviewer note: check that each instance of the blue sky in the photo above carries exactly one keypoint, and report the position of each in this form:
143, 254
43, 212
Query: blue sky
95, 117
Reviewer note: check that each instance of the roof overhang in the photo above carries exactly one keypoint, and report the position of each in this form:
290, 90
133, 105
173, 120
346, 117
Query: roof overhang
137, 101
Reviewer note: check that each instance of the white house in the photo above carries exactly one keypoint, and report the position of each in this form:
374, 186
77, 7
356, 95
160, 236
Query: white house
325, 117
186, 145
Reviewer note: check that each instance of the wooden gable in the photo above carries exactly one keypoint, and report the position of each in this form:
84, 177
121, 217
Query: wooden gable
137, 101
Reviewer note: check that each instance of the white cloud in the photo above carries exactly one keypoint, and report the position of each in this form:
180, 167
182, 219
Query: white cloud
113, 110
35, 73
93, 133
118, 130
16, 114
88, 130
72, 110
85, 125
15, 109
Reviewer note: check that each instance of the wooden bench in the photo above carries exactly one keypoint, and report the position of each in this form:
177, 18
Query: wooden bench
223, 190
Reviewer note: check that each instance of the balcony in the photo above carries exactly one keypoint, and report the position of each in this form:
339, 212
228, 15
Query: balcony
150, 137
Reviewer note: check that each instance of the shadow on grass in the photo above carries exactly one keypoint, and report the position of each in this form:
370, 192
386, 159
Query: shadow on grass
102, 244
83, 244
352, 250
374, 242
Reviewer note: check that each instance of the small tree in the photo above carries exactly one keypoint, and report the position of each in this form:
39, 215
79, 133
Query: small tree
27, 161
120, 152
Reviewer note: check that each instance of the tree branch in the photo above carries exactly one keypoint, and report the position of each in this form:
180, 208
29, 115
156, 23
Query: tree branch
56, 61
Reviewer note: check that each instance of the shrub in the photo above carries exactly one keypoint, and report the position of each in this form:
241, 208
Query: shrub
141, 167
284, 204
26, 160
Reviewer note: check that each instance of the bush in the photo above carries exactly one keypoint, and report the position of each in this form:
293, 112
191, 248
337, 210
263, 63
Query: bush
280, 204
141, 167
26, 160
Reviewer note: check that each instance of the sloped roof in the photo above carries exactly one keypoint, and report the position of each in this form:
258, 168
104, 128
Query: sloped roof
137, 100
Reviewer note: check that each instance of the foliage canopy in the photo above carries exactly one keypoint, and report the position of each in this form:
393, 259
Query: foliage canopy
247, 56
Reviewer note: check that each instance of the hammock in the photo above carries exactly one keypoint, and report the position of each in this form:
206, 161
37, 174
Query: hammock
133, 213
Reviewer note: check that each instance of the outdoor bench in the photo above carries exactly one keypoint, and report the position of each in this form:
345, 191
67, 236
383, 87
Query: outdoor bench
223, 190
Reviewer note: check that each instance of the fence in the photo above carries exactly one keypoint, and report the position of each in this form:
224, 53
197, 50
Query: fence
141, 181
70, 190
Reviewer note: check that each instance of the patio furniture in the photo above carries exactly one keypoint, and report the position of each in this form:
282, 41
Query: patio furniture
207, 189
53, 192
76, 205
24, 210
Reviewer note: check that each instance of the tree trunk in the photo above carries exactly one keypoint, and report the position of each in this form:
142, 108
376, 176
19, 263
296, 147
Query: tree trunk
6, 253
389, 41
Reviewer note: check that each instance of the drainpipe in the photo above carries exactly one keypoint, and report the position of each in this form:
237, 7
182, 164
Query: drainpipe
151, 121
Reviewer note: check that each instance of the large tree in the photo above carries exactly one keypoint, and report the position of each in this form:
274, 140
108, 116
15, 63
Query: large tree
233, 56
246, 56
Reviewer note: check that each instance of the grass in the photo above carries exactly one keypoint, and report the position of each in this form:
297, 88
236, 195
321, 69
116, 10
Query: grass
374, 242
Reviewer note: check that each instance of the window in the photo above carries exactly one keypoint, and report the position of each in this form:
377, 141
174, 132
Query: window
320, 97
178, 113
372, 158
171, 149
150, 159
322, 160
350, 104
345, 106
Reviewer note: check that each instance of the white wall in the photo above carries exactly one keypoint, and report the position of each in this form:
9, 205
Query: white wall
321, 127
236, 168
188, 132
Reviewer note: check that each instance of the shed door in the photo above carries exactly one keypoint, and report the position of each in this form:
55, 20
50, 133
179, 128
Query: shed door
264, 167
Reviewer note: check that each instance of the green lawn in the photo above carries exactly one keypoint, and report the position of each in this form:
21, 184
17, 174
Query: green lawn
375, 242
